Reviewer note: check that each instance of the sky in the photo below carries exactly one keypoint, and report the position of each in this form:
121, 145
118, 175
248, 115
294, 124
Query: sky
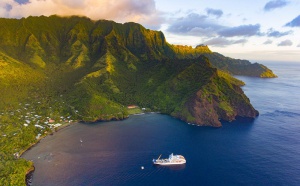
257, 30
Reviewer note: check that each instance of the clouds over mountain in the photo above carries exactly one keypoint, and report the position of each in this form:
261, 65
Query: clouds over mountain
144, 12
209, 25
294, 23
271, 5
195, 24
202, 25
211, 30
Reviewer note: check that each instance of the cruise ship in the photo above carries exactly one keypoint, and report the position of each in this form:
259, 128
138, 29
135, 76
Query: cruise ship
172, 160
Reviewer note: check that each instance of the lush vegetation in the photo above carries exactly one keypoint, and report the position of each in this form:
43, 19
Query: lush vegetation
136, 110
23, 124
56, 70
238, 66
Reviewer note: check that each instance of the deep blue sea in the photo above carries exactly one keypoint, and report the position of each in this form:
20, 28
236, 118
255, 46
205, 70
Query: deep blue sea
264, 151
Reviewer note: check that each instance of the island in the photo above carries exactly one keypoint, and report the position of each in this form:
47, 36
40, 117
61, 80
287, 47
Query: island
57, 70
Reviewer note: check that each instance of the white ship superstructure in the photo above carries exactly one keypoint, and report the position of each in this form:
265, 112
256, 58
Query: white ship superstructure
172, 160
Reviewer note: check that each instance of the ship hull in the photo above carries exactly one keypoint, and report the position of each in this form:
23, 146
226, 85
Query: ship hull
169, 163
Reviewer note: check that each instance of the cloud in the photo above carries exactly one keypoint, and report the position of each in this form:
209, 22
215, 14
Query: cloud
273, 33
271, 5
239, 41
298, 45
243, 30
8, 7
143, 12
195, 25
295, 22
203, 26
153, 22
219, 41
73, 4
215, 12
268, 42
285, 43
222, 42
22, 1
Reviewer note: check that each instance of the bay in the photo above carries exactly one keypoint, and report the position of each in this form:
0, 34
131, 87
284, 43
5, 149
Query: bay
264, 151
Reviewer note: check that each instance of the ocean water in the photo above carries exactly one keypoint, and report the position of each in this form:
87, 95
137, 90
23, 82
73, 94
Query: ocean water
264, 151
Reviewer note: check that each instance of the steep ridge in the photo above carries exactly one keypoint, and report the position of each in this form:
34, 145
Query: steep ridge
239, 67
96, 68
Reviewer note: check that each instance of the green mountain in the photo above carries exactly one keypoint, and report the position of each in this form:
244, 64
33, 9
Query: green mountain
239, 67
72, 68
91, 70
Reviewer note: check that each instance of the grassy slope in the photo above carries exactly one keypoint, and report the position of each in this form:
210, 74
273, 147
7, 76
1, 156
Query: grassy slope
17, 81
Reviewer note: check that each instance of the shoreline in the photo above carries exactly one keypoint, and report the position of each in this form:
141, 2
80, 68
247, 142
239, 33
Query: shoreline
28, 176
31, 170
45, 135
57, 129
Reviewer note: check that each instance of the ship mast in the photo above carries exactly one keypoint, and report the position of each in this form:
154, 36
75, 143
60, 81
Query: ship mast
158, 157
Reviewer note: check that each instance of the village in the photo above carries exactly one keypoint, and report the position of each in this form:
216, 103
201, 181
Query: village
29, 123
33, 121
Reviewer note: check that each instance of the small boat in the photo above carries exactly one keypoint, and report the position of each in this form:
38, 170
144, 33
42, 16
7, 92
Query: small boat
172, 160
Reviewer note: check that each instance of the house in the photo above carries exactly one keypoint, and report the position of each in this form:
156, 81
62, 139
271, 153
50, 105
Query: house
131, 106
51, 120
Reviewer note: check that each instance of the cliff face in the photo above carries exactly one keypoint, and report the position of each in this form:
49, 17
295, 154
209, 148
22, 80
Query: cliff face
216, 100
97, 67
